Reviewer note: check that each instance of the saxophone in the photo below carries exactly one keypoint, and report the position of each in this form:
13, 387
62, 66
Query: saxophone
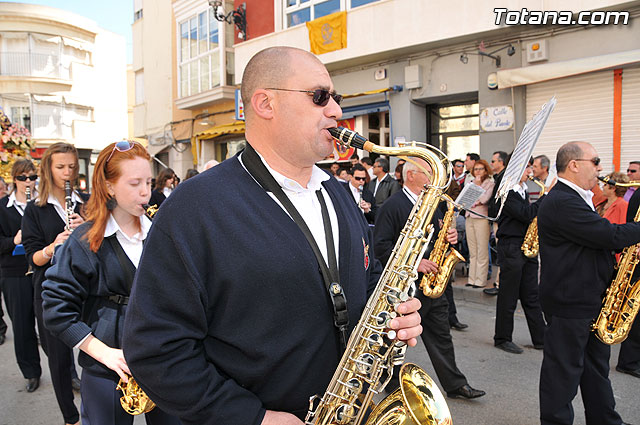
371, 353
150, 210
68, 204
621, 302
434, 284
530, 244
134, 400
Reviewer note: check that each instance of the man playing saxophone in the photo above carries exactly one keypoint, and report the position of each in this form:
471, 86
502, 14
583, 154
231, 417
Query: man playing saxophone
434, 312
576, 251
231, 320
518, 273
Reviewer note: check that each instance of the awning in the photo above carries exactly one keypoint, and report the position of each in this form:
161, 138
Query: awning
550, 71
369, 108
236, 127
367, 93
220, 130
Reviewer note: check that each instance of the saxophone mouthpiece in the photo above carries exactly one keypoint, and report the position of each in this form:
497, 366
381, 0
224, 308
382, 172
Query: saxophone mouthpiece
348, 137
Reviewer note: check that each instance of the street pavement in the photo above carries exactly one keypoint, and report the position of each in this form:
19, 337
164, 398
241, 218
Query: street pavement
510, 380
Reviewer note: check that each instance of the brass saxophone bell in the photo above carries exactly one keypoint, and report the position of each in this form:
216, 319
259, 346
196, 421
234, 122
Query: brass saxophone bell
418, 401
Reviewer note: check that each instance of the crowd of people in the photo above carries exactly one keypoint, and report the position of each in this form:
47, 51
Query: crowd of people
242, 309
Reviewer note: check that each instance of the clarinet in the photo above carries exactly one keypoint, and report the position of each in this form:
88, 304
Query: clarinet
68, 205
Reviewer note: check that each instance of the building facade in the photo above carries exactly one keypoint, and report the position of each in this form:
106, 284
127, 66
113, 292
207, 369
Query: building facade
469, 80
63, 78
463, 76
185, 83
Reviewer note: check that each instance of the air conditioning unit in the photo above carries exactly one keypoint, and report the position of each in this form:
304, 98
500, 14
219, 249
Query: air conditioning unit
537, 51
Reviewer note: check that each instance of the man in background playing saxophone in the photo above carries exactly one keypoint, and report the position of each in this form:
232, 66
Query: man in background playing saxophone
434, 312
230, 321
576, 246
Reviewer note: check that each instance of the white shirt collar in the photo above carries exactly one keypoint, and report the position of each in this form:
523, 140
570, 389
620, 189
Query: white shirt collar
113, 227
587, 195
521, 189
315, 182
412, 196
75, 198
14, 201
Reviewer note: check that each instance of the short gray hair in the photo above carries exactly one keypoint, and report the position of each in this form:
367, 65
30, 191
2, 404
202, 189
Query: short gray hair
544, 161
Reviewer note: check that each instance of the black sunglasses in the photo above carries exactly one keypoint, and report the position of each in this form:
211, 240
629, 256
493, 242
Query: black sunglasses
33, 178
595, 161
360, 178
320, 96
629, 170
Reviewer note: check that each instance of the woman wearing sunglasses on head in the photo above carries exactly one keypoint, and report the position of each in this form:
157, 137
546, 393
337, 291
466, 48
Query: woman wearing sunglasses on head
43, 229
16, 283
87, 290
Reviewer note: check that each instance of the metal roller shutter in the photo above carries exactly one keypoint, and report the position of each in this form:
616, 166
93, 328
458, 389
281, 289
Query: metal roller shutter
584, 112
630, 146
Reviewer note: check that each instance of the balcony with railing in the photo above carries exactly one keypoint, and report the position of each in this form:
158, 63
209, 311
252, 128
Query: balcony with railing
24, 64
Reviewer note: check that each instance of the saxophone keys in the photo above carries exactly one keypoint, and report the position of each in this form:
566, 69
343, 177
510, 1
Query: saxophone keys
344, 414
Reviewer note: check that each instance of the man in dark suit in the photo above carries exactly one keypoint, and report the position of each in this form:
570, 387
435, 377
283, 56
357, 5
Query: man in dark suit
629, 357
518, 274
576, 251
363, 198
436, 334
383, 185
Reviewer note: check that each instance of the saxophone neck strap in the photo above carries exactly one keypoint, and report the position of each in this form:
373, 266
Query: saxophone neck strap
330, 274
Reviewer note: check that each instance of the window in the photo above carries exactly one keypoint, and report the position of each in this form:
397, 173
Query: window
201, 53
297, 12
21, 115
139, 87
454, 129
137, 10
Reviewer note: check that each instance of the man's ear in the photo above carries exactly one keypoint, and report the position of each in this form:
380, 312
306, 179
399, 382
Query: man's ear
262, 104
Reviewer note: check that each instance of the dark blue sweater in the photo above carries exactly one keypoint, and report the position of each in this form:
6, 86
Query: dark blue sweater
10, 222
516, 217
576, 247
229, 314
75, 296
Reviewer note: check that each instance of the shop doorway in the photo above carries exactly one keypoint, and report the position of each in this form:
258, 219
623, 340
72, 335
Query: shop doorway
454, 129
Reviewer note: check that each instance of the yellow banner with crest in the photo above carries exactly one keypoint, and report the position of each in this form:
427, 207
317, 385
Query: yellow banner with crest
328, 33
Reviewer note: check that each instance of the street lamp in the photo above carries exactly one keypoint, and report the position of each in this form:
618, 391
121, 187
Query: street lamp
237, 16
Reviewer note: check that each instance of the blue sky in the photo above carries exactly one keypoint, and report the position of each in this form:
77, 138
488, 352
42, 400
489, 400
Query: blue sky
113, 15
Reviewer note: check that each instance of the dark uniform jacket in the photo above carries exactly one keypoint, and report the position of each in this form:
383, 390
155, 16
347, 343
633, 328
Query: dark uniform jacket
388, 186
75, 296
40, 227
391, 220
10, 222
229, 314
576, 251
516, 217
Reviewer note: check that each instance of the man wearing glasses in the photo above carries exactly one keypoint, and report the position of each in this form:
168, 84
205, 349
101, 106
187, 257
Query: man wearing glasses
231, 302
458, 171
576, 247
363, 197
634, 175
